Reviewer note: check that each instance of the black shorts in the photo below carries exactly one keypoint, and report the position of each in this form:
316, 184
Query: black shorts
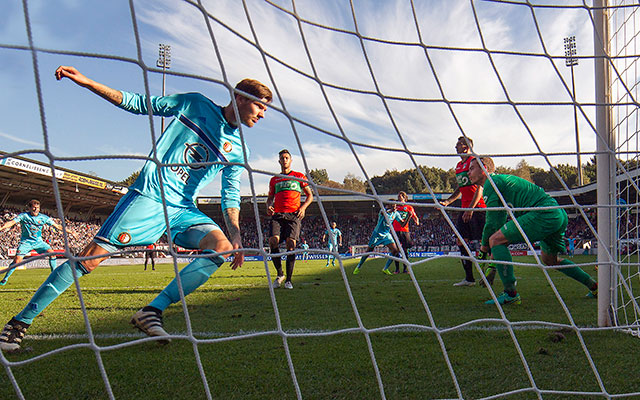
471, 230
285, 225
405, 239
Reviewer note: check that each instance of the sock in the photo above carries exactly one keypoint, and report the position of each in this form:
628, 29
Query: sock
406, 254
192, 277
502, 253
291, 262
9, 272
578, 274
277, 261
58, 281
52, 263
467, 265
386, 266
398, 266
362, 260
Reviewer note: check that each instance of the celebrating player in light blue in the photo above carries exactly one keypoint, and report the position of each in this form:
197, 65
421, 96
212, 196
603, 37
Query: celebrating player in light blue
333, 236
381, 236
31, 224
201, 141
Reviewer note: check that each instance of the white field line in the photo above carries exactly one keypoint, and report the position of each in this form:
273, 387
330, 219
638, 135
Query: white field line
290, 333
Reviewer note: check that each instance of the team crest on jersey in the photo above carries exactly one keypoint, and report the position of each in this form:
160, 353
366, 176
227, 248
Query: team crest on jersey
196, 153
227, 147
124, 237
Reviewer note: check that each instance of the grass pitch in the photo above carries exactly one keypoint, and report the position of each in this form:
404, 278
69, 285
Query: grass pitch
429, 339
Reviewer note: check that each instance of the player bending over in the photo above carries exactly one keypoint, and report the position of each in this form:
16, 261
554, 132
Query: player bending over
333, 236
548, 226
31, 224
201, 132
381, 236
283, 205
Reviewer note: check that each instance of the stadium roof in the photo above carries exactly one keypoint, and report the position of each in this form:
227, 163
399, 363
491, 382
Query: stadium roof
22, 179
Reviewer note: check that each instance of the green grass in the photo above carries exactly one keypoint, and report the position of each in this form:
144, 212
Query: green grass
412, 365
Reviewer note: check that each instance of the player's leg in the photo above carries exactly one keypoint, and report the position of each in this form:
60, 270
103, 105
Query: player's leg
17, 259
59, 280
153, 262
146, 260
467, 265
292, 233
212, 241
356, 271
552, 245
274, 242
393, 249
52, 258
330, 248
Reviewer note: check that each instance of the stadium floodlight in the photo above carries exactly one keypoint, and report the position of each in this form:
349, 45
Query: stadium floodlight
570, 61
164, 62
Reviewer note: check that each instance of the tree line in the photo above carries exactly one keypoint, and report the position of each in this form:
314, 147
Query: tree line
440, 180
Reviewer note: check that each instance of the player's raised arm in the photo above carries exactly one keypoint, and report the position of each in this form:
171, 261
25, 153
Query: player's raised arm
7, 225
111, 95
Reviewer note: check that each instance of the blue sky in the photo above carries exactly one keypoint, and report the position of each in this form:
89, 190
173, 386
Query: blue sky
90, 33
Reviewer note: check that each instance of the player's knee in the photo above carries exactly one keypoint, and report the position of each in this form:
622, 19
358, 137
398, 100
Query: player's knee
497, 239
223, 246
549, 259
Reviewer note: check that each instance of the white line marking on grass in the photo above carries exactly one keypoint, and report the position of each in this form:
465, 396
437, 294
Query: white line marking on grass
532, 326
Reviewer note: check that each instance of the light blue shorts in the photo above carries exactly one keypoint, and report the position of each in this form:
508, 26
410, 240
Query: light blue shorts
378, 239
139, 221
39, 246
332, 247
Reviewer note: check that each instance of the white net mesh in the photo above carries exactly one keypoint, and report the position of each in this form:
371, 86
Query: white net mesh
366, 87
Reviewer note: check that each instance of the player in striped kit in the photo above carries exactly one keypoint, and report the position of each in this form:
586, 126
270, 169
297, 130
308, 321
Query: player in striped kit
470, 222
283, 205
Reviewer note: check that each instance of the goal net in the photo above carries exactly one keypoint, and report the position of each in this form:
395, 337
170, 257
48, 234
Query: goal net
360, 89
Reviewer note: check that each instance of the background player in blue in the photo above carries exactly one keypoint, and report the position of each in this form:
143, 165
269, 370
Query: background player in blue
333, 236
382, 236
201, 135
31, 224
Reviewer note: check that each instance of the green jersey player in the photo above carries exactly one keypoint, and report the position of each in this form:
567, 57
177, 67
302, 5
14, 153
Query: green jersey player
546, 225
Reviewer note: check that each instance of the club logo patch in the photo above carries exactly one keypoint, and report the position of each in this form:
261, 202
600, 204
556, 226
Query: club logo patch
227, 147
124, 238
195, 153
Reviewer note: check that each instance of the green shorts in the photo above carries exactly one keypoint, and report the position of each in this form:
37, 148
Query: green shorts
546, 226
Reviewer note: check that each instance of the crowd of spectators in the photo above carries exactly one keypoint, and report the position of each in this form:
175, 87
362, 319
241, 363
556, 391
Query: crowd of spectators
83, 230
433, 231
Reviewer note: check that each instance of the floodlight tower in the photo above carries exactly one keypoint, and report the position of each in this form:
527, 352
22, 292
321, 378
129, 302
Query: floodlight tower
570, 61
164, 62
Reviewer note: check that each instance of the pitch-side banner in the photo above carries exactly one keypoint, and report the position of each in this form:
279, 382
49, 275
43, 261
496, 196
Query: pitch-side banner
46, 171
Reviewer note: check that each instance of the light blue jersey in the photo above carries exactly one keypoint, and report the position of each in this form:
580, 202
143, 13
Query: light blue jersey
332, 236
198, 134
32, 226
381, 233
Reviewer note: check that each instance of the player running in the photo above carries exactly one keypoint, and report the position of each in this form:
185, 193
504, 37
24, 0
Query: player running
401, 227
201, 141
470, 222
381, 236
31, 224
333, 236
283, 205
548, 226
